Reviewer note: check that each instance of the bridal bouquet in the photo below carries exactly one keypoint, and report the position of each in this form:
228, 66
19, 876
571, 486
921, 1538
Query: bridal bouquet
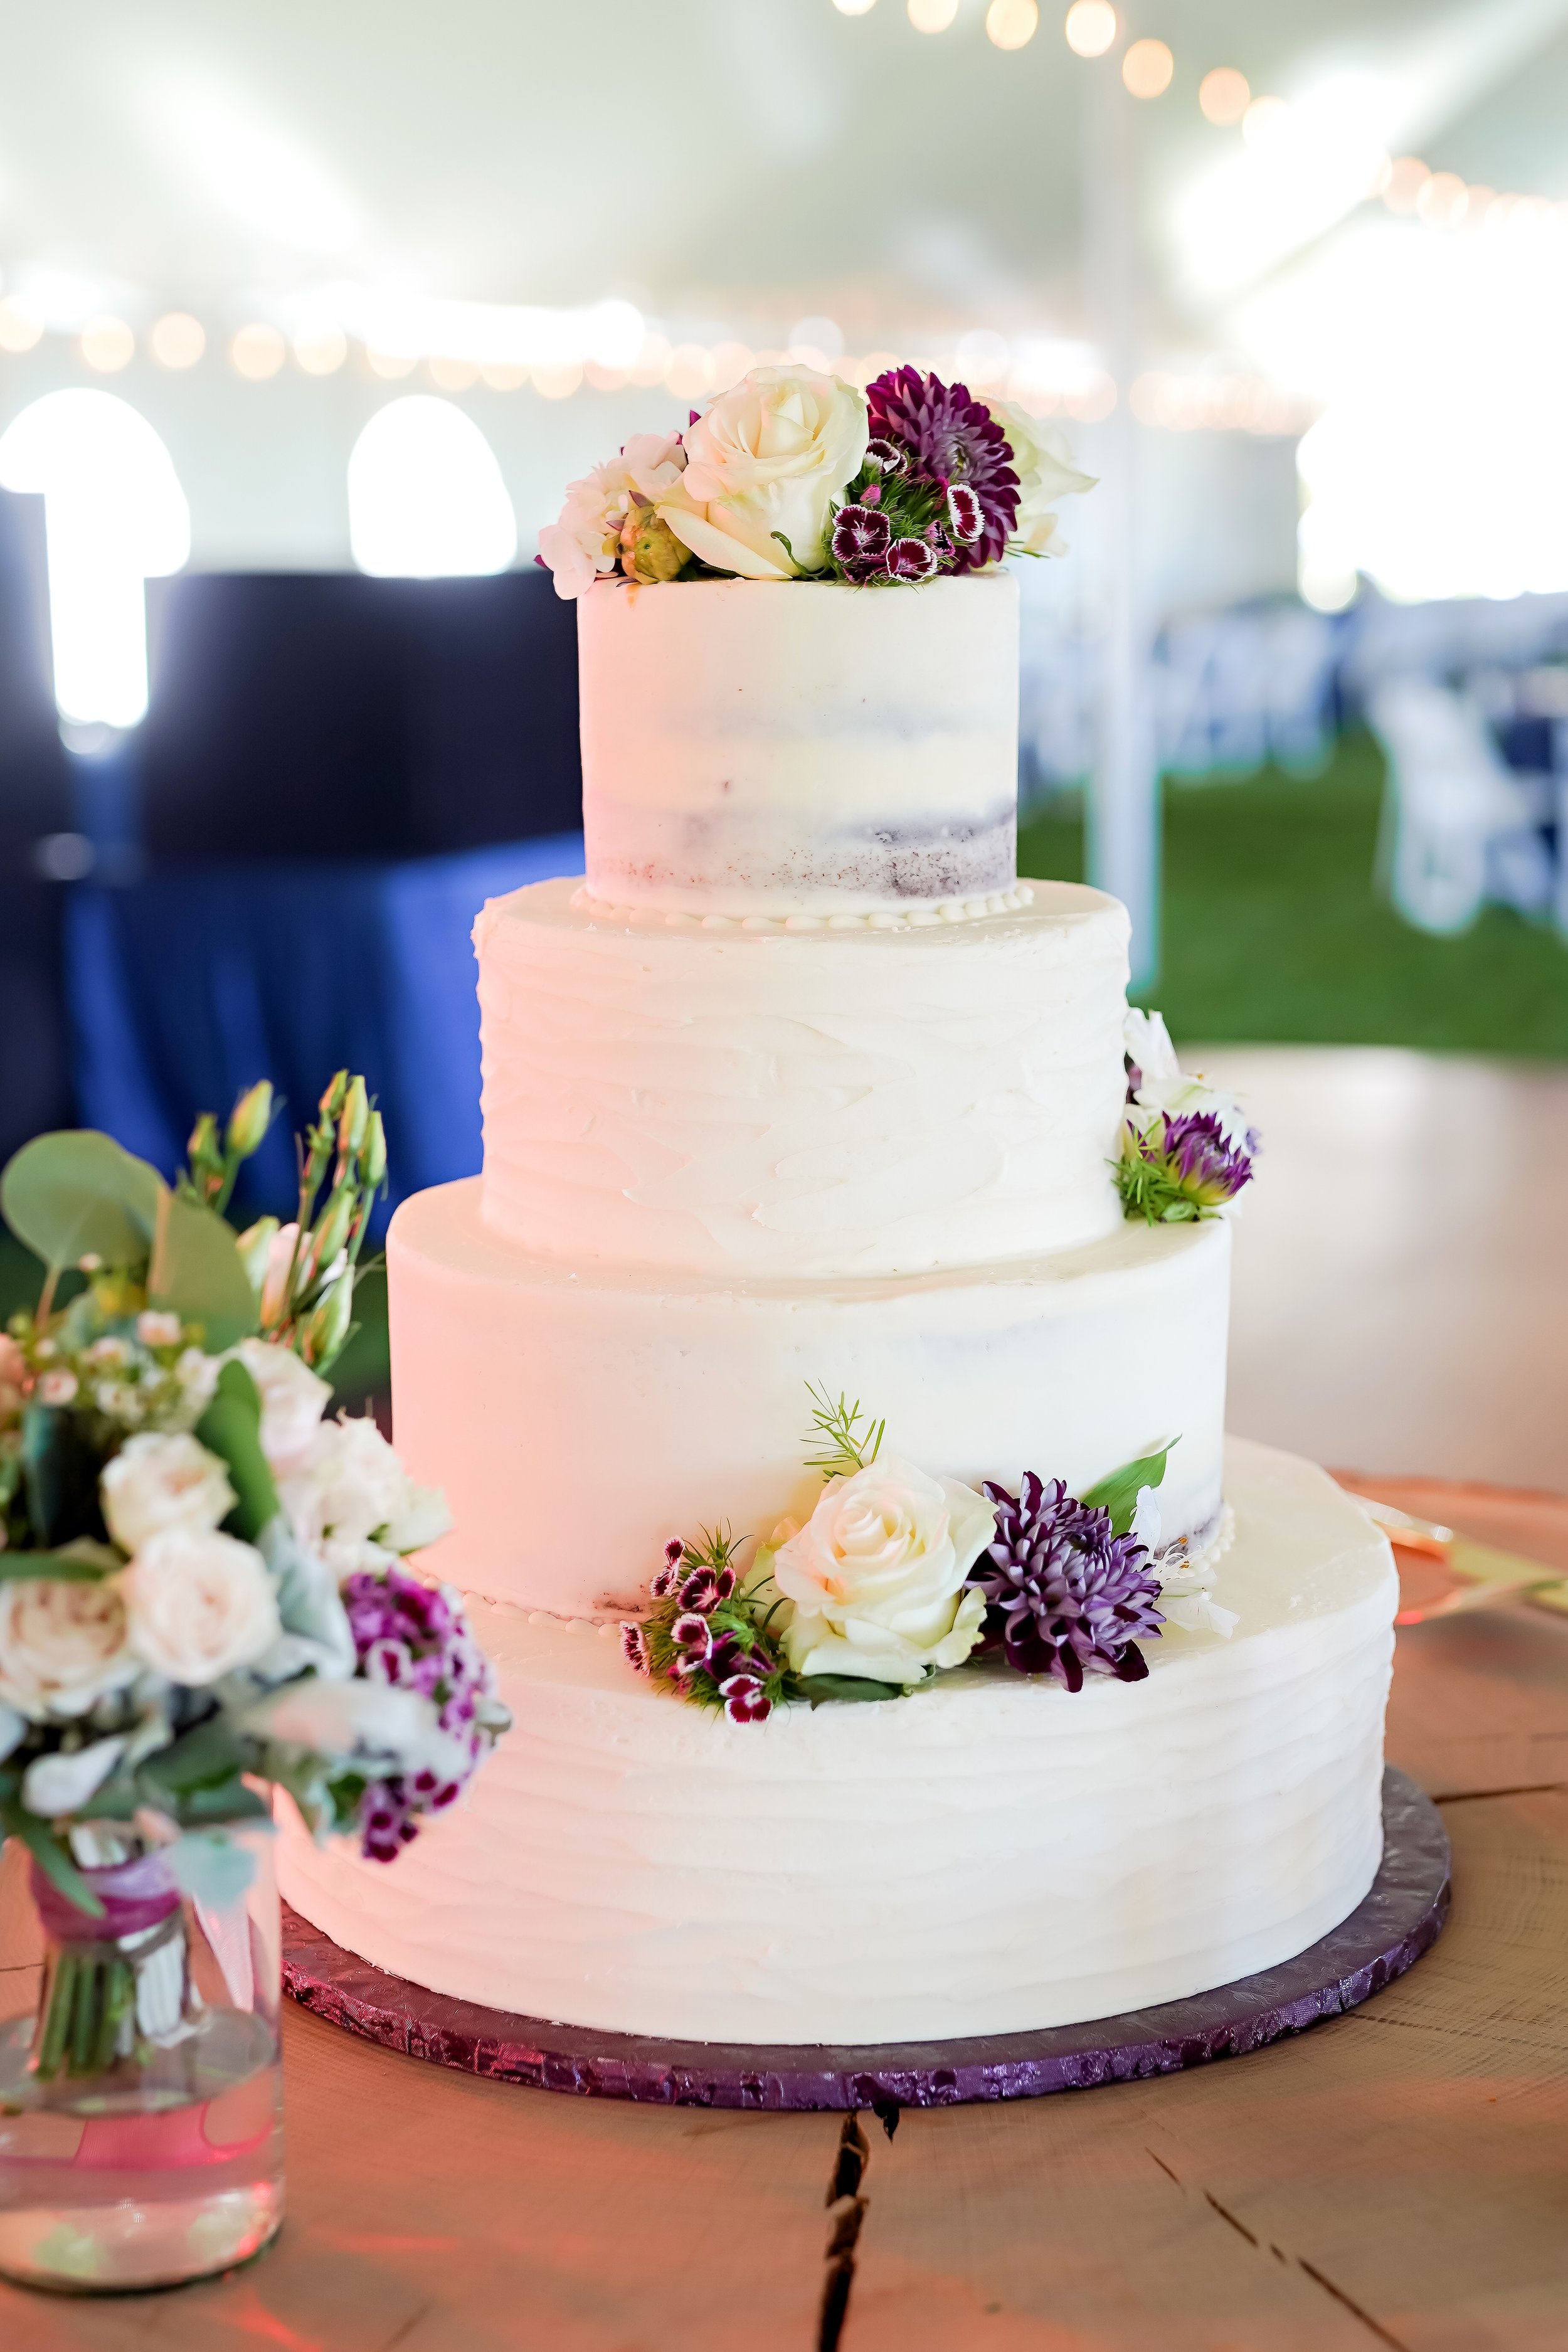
202, 1593
793, 475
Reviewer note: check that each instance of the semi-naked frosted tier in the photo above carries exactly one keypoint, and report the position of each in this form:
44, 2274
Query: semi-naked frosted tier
762, 748
737, 1102
579, 1417
992, 1854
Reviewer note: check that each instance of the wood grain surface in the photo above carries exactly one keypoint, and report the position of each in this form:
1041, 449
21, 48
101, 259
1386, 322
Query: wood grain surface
1396, 2176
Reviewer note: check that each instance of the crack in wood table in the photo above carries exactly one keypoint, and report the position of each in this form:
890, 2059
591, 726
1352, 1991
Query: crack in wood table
1397, 2176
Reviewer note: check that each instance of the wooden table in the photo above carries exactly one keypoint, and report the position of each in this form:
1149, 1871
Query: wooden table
1397, 2177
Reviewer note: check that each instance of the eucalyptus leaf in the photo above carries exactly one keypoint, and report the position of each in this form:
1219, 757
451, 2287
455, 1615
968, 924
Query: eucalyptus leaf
231, 1428
52, 1857
1119, 1493
196, 1271
59, 1469
83, 1562
207, 1757
76, 1195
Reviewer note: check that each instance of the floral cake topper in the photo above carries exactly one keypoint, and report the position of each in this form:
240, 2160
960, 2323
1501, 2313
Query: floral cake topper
796, 475
1186, 1147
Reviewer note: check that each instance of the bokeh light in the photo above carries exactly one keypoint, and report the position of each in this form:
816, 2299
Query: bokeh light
107, 344
320, 349
933, 16
853, 7
20, 330
1147, 68
426, 496
177, 340
1224, 96
1012, 24
257, 350
1090, 27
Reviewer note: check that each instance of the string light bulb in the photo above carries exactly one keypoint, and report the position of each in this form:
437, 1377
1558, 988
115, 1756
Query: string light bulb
1224, 96
1147, 67
933, 16
1012, 24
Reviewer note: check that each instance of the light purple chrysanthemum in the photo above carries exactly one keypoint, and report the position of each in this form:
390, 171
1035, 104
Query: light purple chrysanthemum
1208, 1167
952, 437
1067, 1597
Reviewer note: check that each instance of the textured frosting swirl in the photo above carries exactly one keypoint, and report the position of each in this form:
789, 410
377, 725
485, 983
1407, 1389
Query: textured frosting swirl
828, 1103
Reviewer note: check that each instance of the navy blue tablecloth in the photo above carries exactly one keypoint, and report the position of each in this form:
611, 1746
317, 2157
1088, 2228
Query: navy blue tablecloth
189, 985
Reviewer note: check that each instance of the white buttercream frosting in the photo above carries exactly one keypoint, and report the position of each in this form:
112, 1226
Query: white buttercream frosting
629, 1405
839, 1101
992, 1854
757, 748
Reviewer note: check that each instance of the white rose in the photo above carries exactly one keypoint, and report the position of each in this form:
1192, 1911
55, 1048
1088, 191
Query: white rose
877, 1574
1046, 473
200, 1605
62, 1646
292, 1401
156, 1482
768, 458
587, 541
347, 1486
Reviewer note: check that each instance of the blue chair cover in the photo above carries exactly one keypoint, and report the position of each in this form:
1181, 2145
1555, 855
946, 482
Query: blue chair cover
186, 987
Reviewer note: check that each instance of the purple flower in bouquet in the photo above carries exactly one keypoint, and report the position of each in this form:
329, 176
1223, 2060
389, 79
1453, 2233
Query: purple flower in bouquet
746, 1700
887, 456
691, 1640
1067, 1597
952, 438
414, 1637
861, 538
668, 1576
1207, 1165
706, 1586
634, 1647
966, 521
911, 559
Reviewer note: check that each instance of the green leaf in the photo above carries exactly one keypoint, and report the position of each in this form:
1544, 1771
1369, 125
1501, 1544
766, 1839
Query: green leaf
196, 1271
1119, 1493
83, 1562
231, 1428
76, 1195
207, 1758
60, 1467
818, 1687
52, 1857
225, 1800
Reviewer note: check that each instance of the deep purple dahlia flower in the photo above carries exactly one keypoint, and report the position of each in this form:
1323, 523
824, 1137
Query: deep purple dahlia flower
1067, 1598
952, 437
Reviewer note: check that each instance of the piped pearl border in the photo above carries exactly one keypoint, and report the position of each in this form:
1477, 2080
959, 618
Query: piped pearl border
921, 916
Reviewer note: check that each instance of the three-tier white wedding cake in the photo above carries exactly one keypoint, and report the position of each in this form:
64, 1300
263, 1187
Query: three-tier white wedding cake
802, 1086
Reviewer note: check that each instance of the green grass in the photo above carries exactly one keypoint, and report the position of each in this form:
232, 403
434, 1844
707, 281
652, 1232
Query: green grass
1272, 931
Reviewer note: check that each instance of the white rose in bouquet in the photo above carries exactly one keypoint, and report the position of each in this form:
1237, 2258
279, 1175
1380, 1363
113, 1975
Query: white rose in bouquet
588, 538
877, 1574
63, 1646
1046, 473
293, 1399
421, 1518
159, 1481
348, 1487
200, 1605
768, 458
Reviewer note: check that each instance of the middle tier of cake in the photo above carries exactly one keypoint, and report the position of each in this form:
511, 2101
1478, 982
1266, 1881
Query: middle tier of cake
579, 1417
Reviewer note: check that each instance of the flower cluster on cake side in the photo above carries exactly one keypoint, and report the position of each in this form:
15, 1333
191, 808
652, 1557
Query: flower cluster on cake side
796, 475
203, 1579
1186, 1147
896, 1576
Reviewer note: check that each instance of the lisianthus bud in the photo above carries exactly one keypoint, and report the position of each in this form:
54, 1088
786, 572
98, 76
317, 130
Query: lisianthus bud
332, 1231
649, 549
329, 1326
255, 1246
250, 1119
332, 1100
354, 1118
373, 1160
203, 1146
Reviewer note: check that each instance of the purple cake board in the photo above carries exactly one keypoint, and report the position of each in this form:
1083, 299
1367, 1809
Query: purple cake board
1402, 1918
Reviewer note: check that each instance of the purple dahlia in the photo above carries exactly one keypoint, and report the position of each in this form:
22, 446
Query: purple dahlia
1067, 1598
952, 438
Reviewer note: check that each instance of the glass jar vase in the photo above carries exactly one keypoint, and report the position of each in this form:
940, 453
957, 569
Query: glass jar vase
141, 2089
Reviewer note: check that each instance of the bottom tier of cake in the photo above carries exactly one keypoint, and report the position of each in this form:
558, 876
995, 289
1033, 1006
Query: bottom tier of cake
990, 1853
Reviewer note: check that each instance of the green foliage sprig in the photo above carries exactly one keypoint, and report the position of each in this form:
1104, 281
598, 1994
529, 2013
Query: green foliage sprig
835, 1432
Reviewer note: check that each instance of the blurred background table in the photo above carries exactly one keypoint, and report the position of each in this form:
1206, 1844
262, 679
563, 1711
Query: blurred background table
1395, 2177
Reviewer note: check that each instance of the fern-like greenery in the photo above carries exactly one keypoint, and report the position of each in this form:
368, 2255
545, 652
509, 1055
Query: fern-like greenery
835, 1432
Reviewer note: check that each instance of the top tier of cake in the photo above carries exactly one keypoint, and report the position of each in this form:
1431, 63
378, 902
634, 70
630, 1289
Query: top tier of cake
798, 748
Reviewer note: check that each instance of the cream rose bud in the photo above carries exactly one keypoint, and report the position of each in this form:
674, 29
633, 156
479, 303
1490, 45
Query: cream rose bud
768, 459
1046, 473
200, 1605
293, 1399
421, 1518
877, 1574
63, 1646
156, 1482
